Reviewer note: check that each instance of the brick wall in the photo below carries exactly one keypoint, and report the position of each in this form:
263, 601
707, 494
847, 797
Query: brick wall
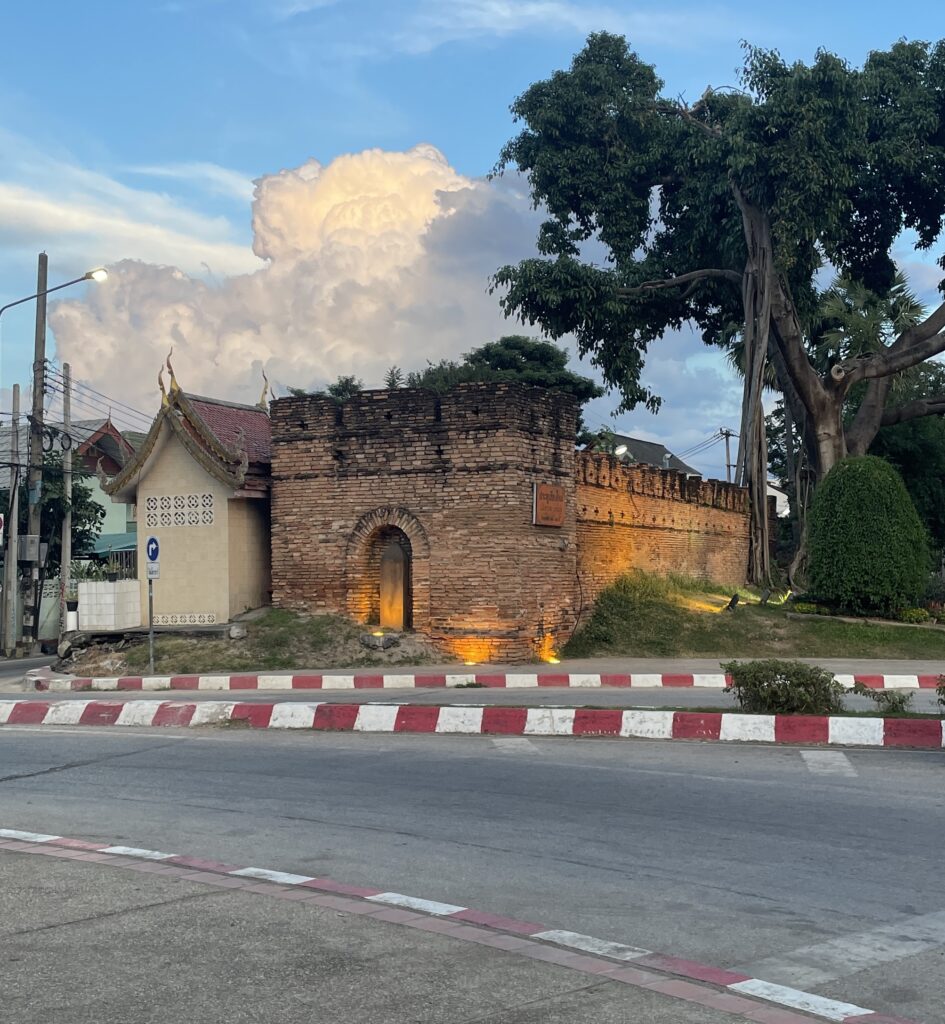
450, 476
656, 520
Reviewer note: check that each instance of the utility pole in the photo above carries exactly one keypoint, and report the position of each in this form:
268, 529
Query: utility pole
10, 574
65, 560
727, 434
35, 472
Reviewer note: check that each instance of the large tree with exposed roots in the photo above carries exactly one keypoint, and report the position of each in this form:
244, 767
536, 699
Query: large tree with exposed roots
725, 213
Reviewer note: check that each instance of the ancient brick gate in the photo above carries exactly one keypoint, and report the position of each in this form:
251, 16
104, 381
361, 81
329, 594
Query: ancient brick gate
469, 516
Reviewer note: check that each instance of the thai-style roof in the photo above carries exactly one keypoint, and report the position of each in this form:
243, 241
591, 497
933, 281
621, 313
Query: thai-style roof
230, 441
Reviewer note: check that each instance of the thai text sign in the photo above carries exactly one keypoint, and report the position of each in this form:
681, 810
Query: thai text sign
548, 505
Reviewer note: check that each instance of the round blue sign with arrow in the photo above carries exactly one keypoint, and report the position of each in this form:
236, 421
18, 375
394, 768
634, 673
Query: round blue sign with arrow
152, 549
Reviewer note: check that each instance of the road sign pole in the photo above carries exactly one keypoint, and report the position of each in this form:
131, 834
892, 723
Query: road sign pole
151, 627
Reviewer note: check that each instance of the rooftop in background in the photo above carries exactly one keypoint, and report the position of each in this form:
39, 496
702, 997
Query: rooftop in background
91, 440
652, 453
243, 427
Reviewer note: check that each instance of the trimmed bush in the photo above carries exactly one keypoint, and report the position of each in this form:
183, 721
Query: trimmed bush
775, 687
868, 547
916, 616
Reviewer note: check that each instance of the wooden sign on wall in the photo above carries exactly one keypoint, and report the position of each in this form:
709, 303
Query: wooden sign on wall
547, 505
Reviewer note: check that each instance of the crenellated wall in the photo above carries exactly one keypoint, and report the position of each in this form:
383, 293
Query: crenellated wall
450, 479
657, 520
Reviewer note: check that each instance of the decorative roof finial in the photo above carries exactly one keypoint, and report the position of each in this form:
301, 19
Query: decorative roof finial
161, 386
262, 403
170, 369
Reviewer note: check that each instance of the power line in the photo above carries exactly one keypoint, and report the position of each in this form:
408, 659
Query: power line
112, 402
96, 405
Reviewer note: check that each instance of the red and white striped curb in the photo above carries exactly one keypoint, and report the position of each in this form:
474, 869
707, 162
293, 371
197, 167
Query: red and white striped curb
498, 720
392, 681
585, 952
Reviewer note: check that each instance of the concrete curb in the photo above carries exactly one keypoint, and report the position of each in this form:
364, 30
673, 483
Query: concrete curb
600, 957
393, 681
492, 720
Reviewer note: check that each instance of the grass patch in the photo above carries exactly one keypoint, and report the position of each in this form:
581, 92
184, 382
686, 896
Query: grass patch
277, 640
647, 616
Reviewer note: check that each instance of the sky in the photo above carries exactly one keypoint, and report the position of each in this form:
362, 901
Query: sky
300, 185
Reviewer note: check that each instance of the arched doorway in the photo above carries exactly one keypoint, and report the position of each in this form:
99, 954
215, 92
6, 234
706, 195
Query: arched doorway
387, 562
394, 604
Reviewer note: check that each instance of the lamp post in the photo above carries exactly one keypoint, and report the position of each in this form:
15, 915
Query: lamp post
35, 457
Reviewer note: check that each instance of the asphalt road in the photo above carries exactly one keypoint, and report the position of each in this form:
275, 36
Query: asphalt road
787, 864
638, 697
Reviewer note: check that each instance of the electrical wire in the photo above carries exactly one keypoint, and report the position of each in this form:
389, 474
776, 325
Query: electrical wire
112, 403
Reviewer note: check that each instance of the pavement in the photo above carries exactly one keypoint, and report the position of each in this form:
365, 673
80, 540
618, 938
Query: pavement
170, 950
809, 868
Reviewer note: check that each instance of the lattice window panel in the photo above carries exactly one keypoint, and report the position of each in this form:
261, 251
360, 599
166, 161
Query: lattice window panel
179, 510
186, 619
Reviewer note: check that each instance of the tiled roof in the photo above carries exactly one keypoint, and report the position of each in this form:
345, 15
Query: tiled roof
227, 420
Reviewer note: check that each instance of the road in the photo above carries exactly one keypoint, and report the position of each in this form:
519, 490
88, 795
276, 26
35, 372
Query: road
685, 697
818, 869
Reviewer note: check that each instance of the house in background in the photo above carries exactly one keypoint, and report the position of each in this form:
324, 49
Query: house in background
200, 482
651, 453
94, 443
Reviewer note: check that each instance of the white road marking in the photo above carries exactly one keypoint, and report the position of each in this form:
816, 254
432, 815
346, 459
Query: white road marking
829, 1008
27, 837
840, 957
601, 947
285, 877
398, 899
515, 745
134, 851
828, 762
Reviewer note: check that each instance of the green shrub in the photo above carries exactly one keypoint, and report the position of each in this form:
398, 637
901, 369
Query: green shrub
913, 615
890, 702
808, 608
868, 548
774, 687
940, 690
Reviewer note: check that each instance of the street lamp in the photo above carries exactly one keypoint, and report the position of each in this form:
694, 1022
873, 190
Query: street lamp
98, 274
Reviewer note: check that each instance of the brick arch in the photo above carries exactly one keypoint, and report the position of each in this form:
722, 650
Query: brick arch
362, 563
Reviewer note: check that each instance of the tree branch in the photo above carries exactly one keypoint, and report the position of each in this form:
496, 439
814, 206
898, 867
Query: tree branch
913, 346
865, 426
687, 115
934, 406
692, 277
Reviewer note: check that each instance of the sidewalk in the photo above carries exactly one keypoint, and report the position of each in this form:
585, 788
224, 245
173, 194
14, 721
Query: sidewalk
175, 943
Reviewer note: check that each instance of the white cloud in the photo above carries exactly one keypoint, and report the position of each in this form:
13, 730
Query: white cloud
434, 23
209, 176
376, 258
85, 217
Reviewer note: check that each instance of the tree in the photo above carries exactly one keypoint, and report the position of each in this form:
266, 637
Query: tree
394, 378
868, 548
87, 514
344, 387
511, 358
722, 213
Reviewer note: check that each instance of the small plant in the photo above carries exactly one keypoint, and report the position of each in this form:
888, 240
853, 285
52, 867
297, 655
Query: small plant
807, 608
890, 702
915, 616
775, 687
940, 690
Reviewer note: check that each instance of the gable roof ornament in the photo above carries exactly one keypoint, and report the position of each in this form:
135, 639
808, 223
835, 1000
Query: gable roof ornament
263, 403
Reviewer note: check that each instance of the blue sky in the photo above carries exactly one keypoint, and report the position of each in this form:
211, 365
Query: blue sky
134, 131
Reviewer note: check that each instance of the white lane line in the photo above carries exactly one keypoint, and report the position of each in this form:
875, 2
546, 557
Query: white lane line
840, 957
134, 851
515, 745
828, 762
27, 837
601, 947
832, 1009
398, 899
285, 877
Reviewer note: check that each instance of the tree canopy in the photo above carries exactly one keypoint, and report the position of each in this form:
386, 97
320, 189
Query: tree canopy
722, 213
511, 358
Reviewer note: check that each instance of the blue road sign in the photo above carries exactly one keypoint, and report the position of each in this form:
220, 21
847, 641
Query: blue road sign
152, 549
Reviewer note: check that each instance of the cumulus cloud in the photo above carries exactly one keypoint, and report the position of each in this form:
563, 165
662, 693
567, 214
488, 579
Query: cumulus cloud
374, 259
